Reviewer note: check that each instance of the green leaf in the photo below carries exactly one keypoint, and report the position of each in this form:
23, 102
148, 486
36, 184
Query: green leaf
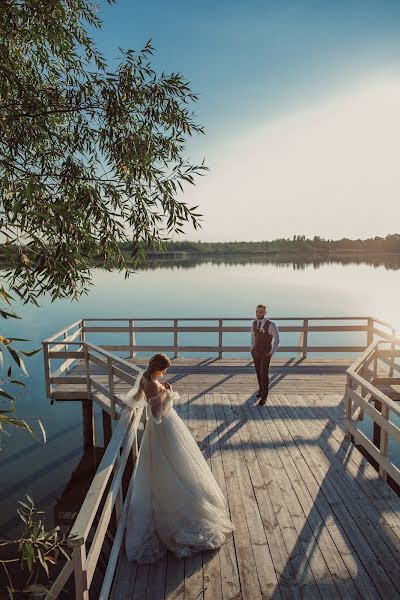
42, 429
6, 395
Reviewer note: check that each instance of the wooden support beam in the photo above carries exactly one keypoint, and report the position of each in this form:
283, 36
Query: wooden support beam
89, 436
305, 338
107, 427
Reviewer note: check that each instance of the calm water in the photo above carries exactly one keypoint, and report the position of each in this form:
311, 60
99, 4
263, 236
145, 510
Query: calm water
203, 290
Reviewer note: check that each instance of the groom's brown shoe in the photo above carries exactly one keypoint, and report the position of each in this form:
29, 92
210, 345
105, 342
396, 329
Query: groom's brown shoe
262, 401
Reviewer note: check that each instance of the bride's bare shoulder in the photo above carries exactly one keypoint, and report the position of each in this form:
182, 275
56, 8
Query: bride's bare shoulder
150, 387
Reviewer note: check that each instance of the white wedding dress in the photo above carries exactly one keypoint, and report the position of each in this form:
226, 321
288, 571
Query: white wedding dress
176, 503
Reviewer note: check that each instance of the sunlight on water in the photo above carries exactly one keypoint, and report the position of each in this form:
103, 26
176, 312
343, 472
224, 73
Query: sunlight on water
205, 290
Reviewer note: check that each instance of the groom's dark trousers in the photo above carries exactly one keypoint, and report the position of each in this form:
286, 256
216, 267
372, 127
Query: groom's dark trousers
260, 352
261, 363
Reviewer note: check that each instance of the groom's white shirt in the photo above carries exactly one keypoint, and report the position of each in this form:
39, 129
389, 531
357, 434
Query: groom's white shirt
272, 330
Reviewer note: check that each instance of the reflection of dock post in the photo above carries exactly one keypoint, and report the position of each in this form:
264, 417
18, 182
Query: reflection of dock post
88, 424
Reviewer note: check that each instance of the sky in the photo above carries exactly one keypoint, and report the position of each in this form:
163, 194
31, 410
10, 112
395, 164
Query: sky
300, 101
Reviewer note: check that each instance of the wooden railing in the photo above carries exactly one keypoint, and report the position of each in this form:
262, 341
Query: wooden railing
377, 368
105, 495
68, 345
106, 491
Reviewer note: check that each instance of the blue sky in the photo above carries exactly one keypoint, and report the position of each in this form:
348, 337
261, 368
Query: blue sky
256, 63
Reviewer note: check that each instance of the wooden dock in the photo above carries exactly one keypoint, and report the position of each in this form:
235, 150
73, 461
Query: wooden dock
314, 519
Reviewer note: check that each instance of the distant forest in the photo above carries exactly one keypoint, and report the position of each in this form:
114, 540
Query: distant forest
298, 245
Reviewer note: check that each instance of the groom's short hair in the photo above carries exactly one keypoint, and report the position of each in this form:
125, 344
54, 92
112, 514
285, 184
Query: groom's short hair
262, 306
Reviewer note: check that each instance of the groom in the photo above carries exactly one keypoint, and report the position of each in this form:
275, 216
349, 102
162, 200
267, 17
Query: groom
264, 342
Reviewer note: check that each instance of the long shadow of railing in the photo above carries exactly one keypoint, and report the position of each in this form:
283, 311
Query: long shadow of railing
364, 561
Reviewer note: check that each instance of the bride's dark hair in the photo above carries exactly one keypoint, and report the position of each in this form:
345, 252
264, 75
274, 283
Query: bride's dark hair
158, 362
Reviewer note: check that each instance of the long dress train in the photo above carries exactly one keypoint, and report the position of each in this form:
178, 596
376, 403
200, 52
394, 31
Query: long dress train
176, 503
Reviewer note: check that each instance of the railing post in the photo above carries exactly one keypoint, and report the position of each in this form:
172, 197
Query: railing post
392, 358
220, 325
305, 338
384, 441
87, 372
176, 353
47, 368
65, 335
376, 360
132, 338
87, 408
377, 431
119, 500
107, 427
81, 582
82, 335
111, 386
370, 332
349, 407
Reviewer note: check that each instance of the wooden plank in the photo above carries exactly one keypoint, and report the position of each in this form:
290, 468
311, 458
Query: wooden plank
124, 582
340, 494
317, 506
194, 584
247, 527
386, 500
175, 576
284, 487
216, 349
310, 537
142, 575
223, 329
63, 354
293, 572
68, 380
212, 584
155, 588
375, 491
230, 585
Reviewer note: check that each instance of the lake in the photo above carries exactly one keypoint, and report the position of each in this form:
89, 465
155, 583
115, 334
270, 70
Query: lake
205, 289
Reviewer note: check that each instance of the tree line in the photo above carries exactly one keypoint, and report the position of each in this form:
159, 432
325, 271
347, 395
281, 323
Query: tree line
298, 244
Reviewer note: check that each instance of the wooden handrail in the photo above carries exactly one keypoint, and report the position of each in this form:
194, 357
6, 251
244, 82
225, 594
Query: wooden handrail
70, 350
63, 330
106, 485
369, 352
251, 318
380, 414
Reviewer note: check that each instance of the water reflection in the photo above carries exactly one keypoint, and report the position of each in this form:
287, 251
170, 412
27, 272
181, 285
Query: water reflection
389, 261
197, 287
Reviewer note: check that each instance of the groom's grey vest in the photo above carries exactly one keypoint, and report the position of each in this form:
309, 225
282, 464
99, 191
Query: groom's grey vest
262, 339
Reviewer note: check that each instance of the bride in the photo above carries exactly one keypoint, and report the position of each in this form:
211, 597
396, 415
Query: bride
176, 503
